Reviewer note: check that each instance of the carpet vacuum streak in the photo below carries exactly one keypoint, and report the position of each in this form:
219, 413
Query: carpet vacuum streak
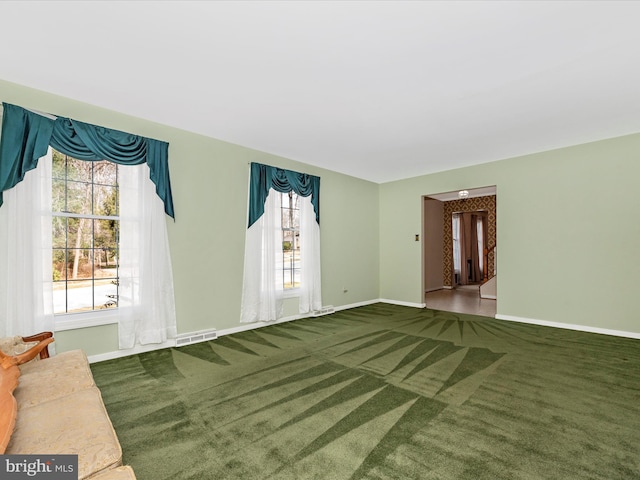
381, 392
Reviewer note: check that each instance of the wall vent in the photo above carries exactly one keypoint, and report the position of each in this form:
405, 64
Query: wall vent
323, 311
195, 337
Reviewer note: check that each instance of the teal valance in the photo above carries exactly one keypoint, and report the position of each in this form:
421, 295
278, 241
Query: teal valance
265, 177
27, 135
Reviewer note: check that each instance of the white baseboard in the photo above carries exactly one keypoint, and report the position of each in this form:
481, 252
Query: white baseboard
401, 303
569, 326
358, 304
101, 357
252, 326
489, 297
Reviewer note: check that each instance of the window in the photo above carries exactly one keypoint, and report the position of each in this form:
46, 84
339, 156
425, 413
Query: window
290, 209
85, 234
282, 244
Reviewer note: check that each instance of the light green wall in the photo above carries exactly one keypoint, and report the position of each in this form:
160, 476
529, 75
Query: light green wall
567, 229
567, 233
210, 181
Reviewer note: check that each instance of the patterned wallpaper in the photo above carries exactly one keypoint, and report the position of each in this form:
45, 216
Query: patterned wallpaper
474, 204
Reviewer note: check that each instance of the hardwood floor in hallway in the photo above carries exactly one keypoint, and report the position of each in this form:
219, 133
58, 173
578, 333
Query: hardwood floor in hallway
464, 299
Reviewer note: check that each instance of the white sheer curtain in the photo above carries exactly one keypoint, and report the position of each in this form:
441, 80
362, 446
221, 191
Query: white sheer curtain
262, 289
310, 291
26, 298
480, 225
146, 302
457, 255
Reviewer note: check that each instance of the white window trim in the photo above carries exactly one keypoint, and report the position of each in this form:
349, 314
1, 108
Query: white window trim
95, 318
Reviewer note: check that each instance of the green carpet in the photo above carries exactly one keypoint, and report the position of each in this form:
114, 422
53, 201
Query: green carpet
382, 392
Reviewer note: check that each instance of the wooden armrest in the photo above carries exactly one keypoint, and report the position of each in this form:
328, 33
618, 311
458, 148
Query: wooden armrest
7, 361
33, 351
39, 337
8, 406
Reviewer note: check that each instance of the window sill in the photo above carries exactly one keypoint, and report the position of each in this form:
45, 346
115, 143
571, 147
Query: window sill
73, 321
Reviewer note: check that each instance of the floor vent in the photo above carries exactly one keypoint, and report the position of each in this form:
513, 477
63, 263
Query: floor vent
195, 337
323, 311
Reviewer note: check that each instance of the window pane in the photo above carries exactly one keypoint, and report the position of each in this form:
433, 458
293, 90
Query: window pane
79, 296
291, 278
288, 240
59, 264
105, 263
105, 173
288, 258
81, 261
59, 165
296, 278
105, 200
286, 279
105, 234
79, 198
290, 219
79, 170
59, 232
58, 198
59, 295
105, 294
290, 216
79, 232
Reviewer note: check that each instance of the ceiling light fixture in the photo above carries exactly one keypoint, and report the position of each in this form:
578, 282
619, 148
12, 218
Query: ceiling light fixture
462, 194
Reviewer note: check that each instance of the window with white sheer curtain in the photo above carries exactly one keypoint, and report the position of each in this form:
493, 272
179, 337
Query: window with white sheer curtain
145, 300
146, 310
270, 267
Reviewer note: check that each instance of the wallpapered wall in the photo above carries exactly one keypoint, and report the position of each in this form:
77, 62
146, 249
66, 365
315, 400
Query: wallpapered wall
474, 204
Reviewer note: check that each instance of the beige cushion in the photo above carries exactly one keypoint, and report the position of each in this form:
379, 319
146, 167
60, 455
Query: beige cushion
119, 473
53, 378
75, 424
73, 358
15, 346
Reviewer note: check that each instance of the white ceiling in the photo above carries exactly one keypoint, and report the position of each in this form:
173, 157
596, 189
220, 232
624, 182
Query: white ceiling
378, 90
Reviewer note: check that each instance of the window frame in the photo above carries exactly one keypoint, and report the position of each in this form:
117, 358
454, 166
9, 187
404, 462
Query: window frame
293, 291
66, 320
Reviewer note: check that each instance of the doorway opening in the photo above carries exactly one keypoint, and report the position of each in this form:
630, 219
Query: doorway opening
459, 264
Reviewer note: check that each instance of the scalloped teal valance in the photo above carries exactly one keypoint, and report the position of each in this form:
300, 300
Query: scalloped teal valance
265, 177
27, 135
